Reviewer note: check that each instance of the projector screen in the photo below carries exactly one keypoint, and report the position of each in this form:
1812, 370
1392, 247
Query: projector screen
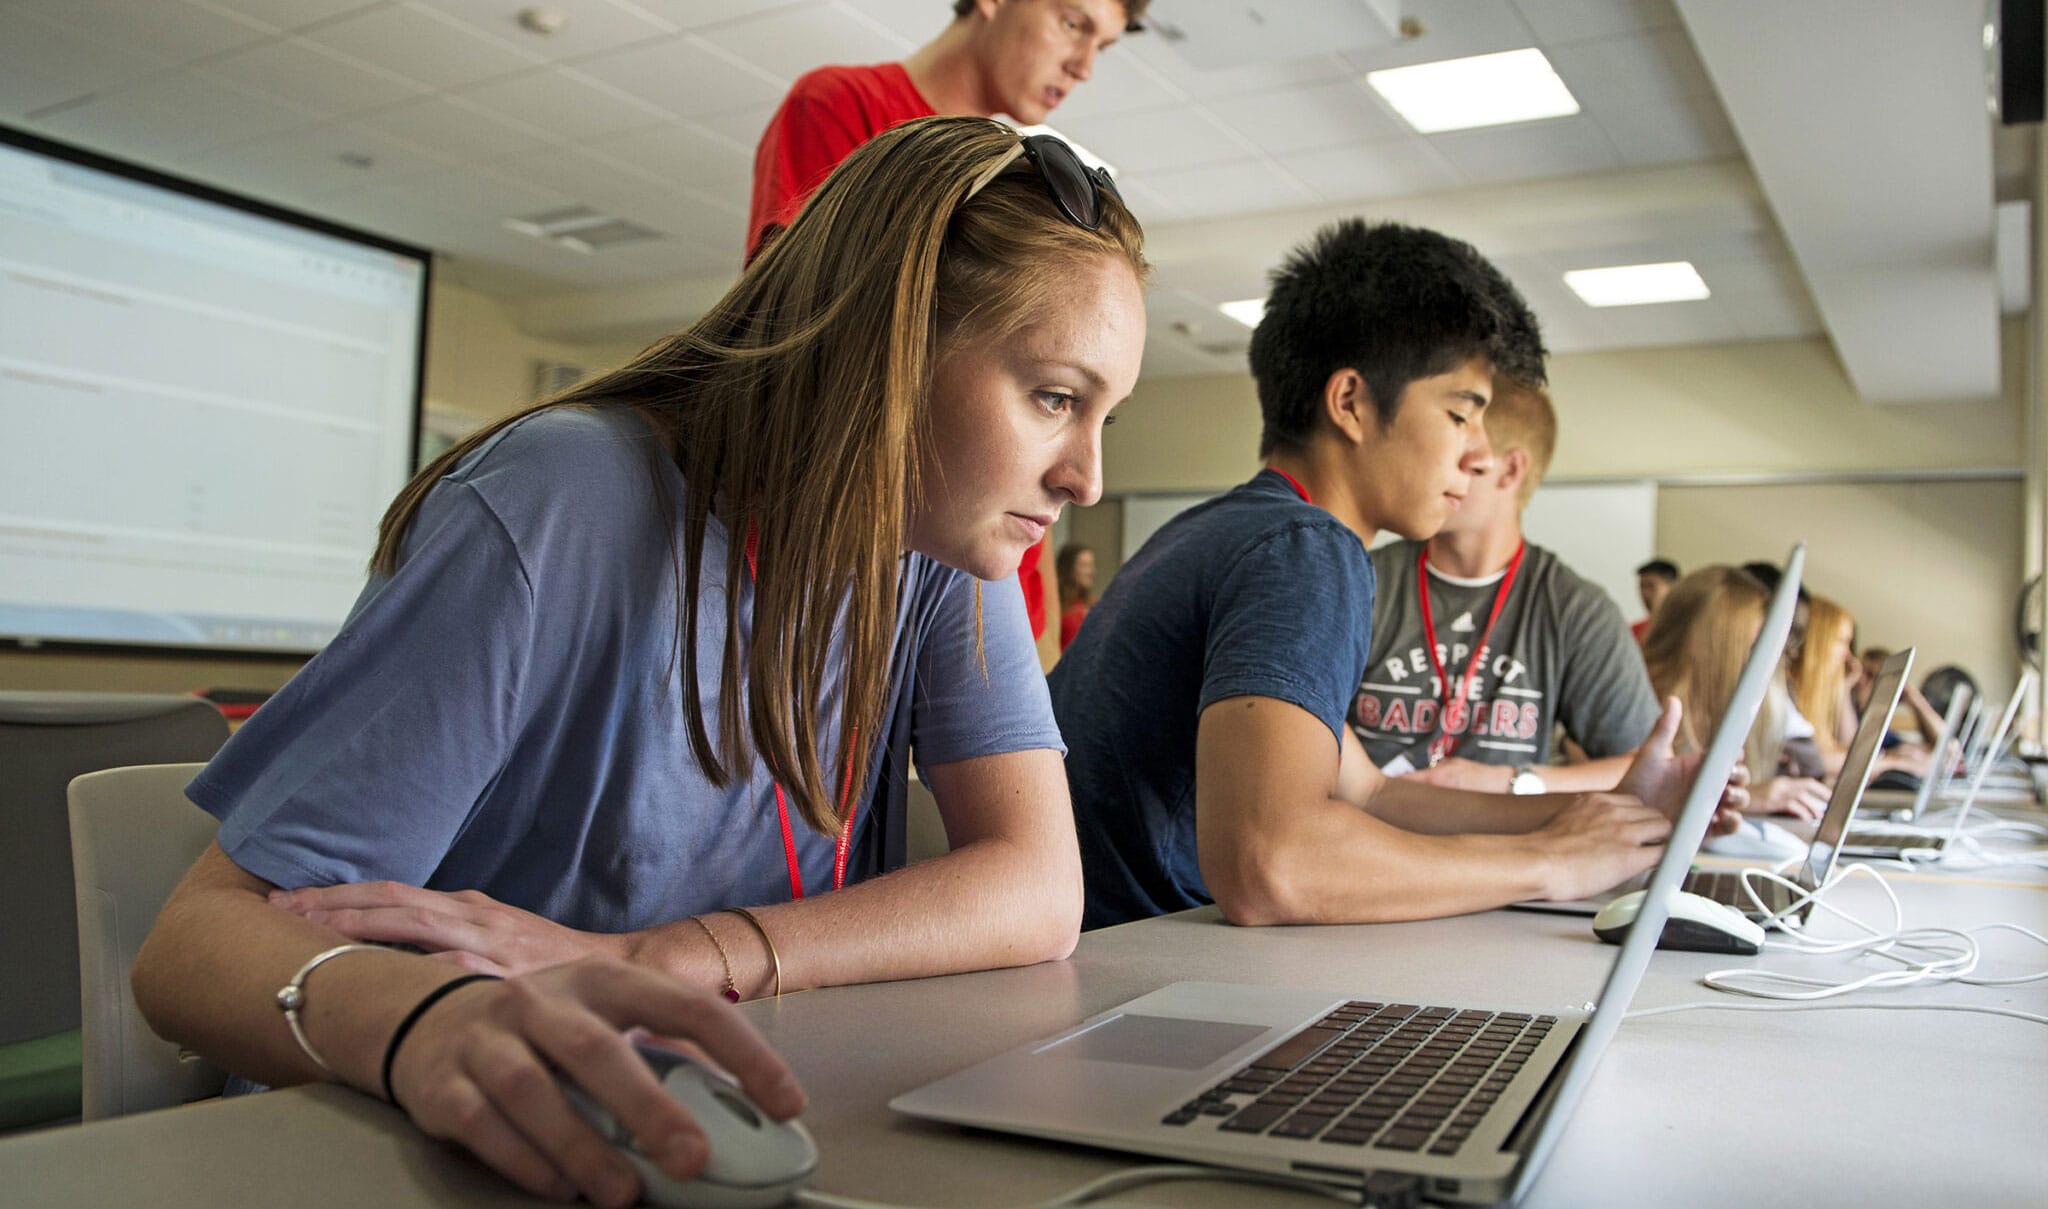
205, 405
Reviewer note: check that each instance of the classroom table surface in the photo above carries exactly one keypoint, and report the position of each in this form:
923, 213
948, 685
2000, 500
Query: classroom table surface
1700, 1107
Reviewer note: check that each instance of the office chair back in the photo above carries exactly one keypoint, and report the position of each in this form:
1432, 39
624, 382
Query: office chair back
133, 836
45, 740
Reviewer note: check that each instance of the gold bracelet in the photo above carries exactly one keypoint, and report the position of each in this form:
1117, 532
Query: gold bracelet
773, 956
731, 992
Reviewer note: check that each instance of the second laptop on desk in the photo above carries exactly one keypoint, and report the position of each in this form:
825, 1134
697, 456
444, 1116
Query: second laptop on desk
1467, 1100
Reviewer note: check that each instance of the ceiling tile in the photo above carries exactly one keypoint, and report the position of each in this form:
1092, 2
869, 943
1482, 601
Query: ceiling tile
1169, 65
1245, 187
789, 42
307, 163
454, 130
742, 126
173, 116
704, 14
1526, 150
1179, 137
1650, 94
1700, 322
292, 14
311, 77
685, 78
1362, 172
562, 104
593, 25
1772, 314
166, 29
1451, 29
1121, 83
915, 21
44, 63
1556, 21
1304, 119
1149, 205
683, 155
422, 45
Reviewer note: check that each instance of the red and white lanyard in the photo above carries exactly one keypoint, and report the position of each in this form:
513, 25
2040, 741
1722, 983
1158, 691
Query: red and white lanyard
1441, 745
846, 811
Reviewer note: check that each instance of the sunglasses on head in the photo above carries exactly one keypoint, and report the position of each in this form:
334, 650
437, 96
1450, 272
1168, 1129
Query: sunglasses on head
1075, 187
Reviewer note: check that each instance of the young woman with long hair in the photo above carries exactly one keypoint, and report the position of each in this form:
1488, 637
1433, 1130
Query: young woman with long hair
637, 672
1695, 647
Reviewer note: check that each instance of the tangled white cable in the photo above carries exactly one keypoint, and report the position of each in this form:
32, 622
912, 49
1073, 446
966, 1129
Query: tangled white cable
1921, 955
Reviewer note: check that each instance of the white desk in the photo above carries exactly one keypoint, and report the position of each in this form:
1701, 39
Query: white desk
1695, 1108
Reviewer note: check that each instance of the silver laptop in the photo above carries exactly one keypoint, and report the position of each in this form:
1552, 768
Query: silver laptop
1726, 886
1941, 767
1896, 841
1467, 1099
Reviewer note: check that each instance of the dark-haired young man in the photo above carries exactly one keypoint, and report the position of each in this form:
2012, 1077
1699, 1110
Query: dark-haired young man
1484, 643
1653, 584
1203, 703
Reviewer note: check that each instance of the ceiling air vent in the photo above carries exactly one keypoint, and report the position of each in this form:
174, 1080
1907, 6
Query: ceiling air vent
581, 229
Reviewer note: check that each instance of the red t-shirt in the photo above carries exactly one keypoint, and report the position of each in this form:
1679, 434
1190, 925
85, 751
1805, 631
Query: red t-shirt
1070, 622
828, 113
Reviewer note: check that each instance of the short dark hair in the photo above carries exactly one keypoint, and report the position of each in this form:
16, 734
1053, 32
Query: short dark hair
1768, 575
1134, 12
1393, 302
1663, 568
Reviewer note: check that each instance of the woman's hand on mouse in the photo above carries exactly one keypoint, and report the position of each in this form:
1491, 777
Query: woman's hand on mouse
480, 1069
465, 928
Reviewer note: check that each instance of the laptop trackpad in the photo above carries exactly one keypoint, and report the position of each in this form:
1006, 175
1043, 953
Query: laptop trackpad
1156, 1041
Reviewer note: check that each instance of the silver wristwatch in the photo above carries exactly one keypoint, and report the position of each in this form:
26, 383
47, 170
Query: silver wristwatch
1525, 780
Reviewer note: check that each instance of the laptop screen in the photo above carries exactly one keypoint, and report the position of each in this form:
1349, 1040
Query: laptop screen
1855, 773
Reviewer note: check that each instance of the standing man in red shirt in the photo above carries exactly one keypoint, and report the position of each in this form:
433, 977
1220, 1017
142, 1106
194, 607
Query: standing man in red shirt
1019, 58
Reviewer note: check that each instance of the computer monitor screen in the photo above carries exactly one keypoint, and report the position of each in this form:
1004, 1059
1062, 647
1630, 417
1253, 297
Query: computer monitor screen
205, 405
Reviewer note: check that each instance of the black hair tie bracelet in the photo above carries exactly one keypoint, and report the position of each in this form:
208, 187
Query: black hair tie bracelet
413, 1017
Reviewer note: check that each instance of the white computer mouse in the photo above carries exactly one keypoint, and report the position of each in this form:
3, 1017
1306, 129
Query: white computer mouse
756, 1161
1696, 923
1758, 840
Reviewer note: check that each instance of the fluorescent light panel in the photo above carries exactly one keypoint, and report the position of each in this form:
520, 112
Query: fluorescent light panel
1247, 311
1638, 284
1484, 90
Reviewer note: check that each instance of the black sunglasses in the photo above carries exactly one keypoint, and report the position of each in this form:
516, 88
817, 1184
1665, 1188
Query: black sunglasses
1074, 185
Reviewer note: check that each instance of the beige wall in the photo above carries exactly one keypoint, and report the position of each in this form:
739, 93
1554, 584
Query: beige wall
1932, 564
1770, 407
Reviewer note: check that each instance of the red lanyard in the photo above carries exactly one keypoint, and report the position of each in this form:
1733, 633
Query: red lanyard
1294, 483
1440, 746
796, 876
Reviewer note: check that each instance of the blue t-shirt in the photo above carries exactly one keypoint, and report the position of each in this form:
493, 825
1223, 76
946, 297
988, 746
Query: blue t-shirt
503, 713
1254, 593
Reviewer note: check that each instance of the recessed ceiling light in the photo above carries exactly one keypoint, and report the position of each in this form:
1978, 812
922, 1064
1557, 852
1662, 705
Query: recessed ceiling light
1638, 284
1484, 90
1247, 311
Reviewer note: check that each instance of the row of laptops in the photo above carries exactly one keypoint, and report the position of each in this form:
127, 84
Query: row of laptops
1467, 1100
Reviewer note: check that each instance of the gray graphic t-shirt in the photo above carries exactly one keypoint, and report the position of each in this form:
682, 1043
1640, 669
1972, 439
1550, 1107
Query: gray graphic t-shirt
1559, 654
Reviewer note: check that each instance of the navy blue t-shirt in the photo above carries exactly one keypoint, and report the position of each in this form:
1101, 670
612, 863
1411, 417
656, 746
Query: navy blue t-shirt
1254, 593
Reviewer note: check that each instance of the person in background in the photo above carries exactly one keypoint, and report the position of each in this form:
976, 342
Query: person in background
1466, 685
1075, 568
1823, 672
1653, 583
621, 723
1204, 700
1019, 58
1926, 719
1698, 640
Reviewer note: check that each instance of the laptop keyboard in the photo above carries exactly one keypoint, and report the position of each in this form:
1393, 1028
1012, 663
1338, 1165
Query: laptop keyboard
1390, 1076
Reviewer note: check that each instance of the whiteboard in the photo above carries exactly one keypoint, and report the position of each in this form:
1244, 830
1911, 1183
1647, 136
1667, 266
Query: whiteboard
1144, 514
1604, 531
